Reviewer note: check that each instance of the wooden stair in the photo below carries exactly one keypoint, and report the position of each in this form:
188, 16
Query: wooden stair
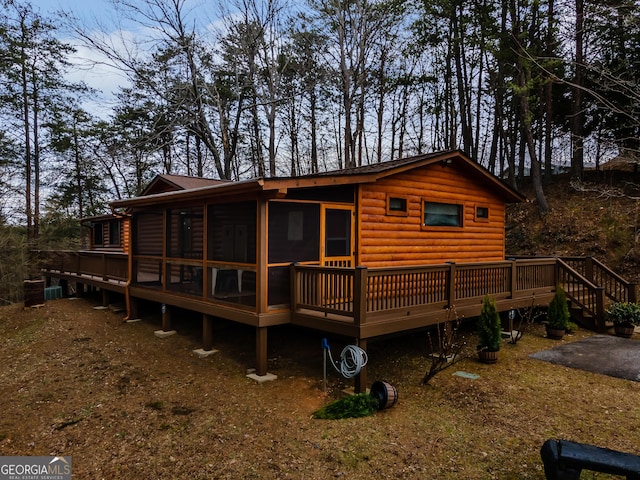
587, 279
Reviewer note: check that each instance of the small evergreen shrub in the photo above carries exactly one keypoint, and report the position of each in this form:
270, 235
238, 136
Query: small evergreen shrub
351, 406
558, 314
489, 326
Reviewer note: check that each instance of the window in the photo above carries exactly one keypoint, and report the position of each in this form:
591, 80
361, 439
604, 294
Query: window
397, 205
294, 232
114, 232
337, 233
482, 213
231, 233
185, 232
98, 237
442, 214
148, 233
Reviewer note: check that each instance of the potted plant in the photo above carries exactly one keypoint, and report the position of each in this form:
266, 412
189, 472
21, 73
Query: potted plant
558, 315
624, 316
489, 331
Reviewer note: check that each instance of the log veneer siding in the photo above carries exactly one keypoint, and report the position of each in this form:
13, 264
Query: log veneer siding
389, 240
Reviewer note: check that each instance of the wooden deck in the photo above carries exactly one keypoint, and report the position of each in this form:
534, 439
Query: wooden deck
104, 270
365, 303
368, 302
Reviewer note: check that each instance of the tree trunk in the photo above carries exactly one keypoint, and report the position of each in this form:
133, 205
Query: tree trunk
577, 129
314, 136
536, 177
36, 163
465, 107
27, 139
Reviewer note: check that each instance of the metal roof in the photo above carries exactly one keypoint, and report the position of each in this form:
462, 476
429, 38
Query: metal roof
364, 174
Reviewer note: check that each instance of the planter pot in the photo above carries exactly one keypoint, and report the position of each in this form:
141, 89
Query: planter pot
487, 356
624, 330
386, 394
555, 333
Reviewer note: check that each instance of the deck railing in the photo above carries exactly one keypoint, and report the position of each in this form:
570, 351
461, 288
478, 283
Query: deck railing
355, 295
616, 288
106, 266
359, 293
583, 293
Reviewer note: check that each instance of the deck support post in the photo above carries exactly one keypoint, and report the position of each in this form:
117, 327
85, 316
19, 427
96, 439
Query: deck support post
166, 323
166, 318
105, 298
360, 384
132, 313
64, 284
79, 289
261, 351
207, 332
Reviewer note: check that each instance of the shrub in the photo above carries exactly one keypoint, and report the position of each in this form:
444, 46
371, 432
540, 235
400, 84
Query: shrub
352, 406
624, 312
558, 314
489, 326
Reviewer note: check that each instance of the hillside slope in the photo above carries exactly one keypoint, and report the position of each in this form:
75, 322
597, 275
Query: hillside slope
586, 219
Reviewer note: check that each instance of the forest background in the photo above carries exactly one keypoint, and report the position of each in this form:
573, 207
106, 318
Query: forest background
261, 88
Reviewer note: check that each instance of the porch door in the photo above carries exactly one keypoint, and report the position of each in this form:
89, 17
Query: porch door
337, 236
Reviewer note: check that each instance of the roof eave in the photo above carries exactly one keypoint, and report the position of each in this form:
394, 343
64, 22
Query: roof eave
231, 188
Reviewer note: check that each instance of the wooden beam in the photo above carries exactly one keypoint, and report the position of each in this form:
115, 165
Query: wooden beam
261, 351
360, 384
262, 257
360, 295
207, 332
105, 298
132, 308
166, 317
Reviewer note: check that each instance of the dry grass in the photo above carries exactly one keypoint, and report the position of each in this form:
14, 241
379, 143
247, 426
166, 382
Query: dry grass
77, 381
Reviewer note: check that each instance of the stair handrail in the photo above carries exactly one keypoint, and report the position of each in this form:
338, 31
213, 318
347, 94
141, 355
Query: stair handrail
628, 289
597, 310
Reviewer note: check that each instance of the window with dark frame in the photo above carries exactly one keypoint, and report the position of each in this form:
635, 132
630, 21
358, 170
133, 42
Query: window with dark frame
482, 213
98, 234
397, 205
442, 214
114, 232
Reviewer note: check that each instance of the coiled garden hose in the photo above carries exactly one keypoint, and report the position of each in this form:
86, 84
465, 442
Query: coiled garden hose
352, 360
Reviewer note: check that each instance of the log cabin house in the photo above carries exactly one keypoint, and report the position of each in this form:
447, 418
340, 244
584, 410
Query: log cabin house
360, 252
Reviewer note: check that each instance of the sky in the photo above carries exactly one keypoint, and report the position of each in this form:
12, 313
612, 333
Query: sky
80, 7
94, 12
106, 80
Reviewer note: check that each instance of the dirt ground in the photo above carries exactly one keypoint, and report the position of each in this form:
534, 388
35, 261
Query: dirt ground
125, 404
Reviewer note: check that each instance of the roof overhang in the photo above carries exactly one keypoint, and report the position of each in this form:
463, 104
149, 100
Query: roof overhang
277, 187
223, 189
